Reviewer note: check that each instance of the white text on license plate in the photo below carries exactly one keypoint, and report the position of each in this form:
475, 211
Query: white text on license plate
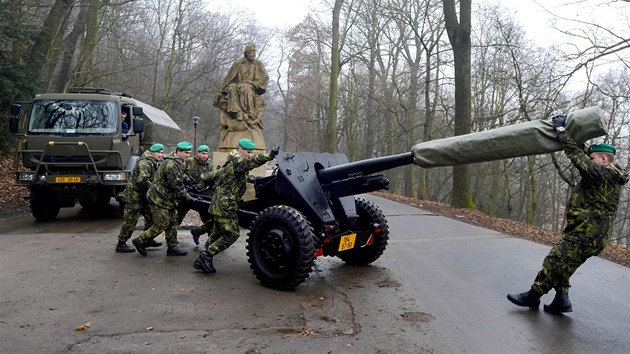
67, 179
347, 242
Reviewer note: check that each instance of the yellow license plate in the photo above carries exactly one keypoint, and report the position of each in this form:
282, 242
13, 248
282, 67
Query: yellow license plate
67, 179
347, 242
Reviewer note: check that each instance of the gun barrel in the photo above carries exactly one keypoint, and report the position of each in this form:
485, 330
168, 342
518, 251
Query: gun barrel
365, 167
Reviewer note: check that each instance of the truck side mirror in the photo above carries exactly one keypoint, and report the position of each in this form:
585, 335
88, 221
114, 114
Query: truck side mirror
137, 111
138, 124
15, 109
13, 123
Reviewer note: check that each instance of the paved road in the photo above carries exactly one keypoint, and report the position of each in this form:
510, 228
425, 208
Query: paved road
440, 287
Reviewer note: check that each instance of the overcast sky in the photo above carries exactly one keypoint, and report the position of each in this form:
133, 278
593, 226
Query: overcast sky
533, 15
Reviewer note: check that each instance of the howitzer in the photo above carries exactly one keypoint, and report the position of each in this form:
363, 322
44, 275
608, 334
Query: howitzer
307, 208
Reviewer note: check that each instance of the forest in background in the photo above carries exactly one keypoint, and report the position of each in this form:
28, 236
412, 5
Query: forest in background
395, 84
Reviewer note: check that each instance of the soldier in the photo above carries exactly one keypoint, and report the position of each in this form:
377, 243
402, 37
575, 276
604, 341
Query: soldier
195, 167
166, 192
135, 197
230, 185
590, 216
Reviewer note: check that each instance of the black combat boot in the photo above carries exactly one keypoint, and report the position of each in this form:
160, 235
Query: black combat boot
204, 263
530, 299
139, 246
195, 234
175, 251
122, 247
153, 243
560, 303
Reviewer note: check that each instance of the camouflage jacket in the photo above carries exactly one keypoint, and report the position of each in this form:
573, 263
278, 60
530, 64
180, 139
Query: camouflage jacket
140, 180
168, 184
230, 182
195, 168
593, 203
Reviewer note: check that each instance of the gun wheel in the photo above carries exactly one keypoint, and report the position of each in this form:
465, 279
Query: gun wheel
368, 214
281, 247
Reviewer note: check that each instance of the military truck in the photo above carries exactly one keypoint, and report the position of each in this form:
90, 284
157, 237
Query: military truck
74, 146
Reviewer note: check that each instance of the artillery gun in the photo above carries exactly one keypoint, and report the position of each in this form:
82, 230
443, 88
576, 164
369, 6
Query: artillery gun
307, 208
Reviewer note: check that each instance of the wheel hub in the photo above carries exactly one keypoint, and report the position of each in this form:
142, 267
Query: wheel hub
276, 248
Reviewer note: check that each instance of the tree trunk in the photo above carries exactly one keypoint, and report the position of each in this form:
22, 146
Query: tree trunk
459, 37
335, 67
45, 43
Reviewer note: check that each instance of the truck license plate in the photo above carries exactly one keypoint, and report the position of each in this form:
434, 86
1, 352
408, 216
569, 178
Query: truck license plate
347, 242
68, 179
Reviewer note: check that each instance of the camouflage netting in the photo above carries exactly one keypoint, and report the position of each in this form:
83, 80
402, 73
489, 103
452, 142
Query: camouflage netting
530, 138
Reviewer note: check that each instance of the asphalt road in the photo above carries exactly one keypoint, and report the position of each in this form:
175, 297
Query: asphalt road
440, 287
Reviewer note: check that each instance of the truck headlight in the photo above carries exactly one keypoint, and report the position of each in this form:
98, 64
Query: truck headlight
114, 177
26, 176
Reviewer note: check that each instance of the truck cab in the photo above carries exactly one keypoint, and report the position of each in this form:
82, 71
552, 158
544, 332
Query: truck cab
75, 146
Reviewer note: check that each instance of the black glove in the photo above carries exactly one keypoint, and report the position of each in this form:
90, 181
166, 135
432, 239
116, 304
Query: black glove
558, 121
274, 152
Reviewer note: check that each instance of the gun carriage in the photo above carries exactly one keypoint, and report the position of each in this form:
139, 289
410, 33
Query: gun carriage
307, 208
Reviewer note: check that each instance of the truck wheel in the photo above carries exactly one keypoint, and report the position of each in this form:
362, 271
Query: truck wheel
368, 214
44, 205
281, 247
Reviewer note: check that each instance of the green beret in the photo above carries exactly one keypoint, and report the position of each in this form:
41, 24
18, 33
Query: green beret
246, 144
184, 146
602, 148
156, 147
203, 148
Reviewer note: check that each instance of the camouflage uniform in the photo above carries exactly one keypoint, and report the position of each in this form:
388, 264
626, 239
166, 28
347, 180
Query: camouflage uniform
590, 216
194, 168
135, 198
230, 184
164, 195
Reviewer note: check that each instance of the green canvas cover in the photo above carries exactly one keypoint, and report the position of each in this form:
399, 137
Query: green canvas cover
523, 139
158, 126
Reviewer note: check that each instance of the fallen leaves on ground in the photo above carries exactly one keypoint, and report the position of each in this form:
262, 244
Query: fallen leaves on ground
84, 326
10, 197
308, 332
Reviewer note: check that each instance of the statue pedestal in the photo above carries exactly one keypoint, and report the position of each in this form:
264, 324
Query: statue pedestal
218, 159
233, 130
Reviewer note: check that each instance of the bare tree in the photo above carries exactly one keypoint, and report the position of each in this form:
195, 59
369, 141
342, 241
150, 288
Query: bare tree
459, 36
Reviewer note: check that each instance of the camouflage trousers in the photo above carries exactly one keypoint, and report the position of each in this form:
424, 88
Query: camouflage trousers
560, 264
163, 220
208, 221
224, 233
131, 214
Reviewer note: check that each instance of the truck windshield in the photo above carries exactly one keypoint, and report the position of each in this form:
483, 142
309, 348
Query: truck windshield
74, 117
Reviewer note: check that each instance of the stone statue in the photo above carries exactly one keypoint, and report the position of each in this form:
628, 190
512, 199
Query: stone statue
240, 104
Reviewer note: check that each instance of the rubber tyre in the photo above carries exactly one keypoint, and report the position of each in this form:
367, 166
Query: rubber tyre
281, 247
368, 214
44, 205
